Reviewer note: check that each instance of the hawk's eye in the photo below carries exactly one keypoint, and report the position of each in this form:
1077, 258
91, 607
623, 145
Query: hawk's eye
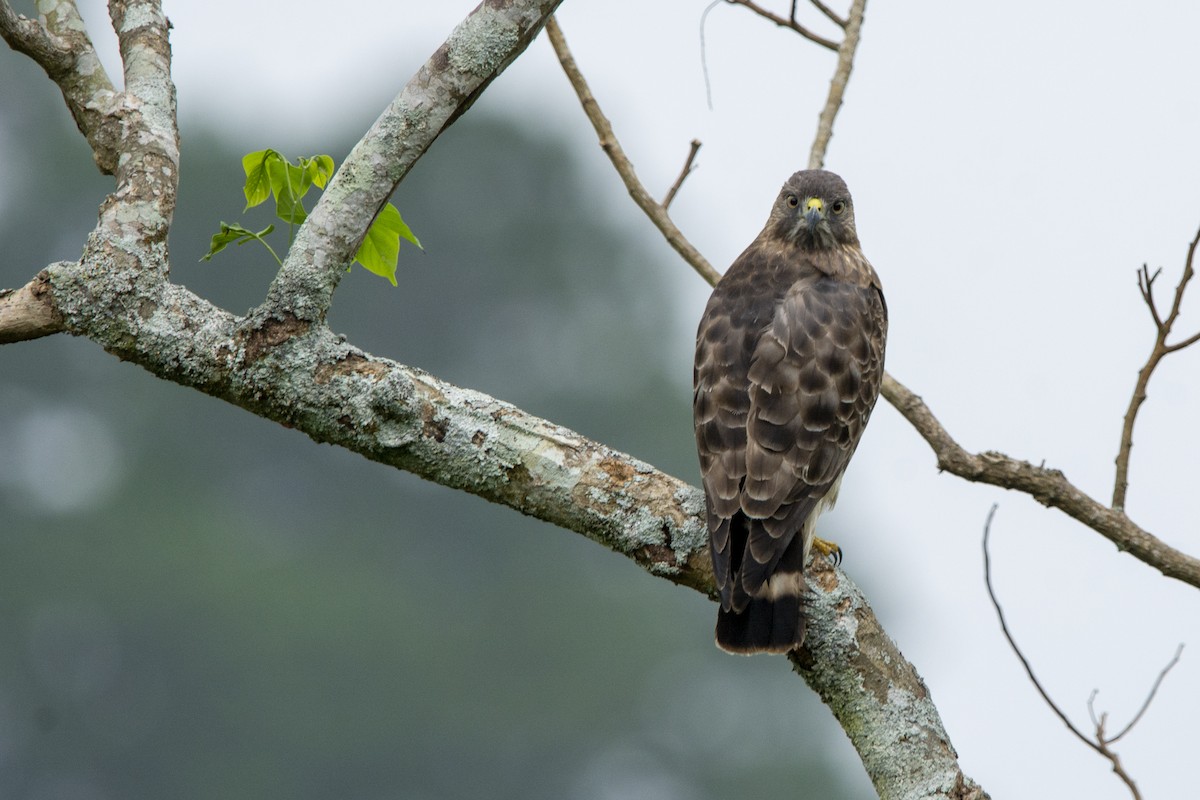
793, 201
839, 206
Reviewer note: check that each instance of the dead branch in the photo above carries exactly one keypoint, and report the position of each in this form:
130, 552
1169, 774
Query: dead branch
1157, 353
608, 142
1101, 743
29, 312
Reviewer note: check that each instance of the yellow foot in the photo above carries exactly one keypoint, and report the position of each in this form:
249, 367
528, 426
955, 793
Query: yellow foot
828, 549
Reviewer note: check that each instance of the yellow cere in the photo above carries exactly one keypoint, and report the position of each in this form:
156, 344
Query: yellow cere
815, 203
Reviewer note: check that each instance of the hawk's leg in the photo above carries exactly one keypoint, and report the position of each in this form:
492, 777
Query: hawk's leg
828, 549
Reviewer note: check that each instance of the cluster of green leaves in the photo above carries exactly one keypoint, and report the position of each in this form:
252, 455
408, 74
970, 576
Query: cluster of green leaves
269, 174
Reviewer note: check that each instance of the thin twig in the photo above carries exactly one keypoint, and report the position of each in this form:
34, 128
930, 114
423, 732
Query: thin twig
608, 142
1102, 742
841, 22
987, 579
1150, 697
837, 86
688, 166
1161, 348
790, 24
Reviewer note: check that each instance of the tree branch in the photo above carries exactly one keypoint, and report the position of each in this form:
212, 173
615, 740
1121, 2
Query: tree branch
478, 50
913, 759
28, 312
60, 45
1160, 349
1048, 486
612, 148
841, 22
837, 86
783, 22
688, 166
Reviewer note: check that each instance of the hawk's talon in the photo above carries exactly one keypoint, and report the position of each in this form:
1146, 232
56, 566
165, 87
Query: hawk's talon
828, 549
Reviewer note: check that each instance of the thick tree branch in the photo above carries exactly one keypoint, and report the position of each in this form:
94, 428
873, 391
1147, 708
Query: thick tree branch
307, 378
1048, 486
58, 42
848, 644
479, 49
1157, 353
612, 148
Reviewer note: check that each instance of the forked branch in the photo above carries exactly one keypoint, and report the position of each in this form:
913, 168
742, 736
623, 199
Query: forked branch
1161, 349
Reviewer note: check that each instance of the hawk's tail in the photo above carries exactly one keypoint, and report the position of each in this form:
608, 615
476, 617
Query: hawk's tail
772, 622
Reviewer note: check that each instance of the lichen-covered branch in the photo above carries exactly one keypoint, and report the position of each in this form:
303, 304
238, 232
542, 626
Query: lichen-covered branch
481, 47
58, 42
876, 695
1048, 486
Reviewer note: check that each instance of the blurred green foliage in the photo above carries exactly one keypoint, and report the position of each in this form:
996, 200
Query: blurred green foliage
196, 603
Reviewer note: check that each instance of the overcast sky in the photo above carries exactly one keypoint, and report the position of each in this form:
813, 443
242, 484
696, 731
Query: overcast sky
1013, 164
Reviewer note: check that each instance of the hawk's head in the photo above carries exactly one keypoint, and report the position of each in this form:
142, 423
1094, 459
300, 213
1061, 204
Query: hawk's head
814, 212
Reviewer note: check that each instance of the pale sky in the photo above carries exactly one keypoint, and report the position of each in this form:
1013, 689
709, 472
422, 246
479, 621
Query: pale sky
1012, 165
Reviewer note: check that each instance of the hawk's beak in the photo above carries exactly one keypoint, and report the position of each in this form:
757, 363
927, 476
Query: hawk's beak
814, 211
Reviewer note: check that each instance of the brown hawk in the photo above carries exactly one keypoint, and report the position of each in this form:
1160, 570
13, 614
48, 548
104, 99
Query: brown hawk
789, 358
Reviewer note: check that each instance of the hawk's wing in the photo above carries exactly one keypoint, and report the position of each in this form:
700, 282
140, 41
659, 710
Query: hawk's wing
782, 396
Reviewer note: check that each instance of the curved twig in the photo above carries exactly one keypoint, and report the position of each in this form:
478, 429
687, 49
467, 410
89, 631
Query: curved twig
1101, 743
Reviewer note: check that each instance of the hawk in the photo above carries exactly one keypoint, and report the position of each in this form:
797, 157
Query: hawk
789, 359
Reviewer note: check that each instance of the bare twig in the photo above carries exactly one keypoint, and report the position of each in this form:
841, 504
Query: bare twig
987, 578
688, 166
840, 21
1149, 698
1161, 348
1102, 741
783, 22
608, 142
837, 86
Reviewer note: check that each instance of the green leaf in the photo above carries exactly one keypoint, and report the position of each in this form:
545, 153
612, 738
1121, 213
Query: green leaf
320, 169
380, 250
287, 184
258, 184
234, 234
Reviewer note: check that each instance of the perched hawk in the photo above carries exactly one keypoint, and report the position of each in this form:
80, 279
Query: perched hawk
789, 358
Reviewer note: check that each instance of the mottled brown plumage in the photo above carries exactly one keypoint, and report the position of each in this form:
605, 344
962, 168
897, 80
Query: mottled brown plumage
789, 358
